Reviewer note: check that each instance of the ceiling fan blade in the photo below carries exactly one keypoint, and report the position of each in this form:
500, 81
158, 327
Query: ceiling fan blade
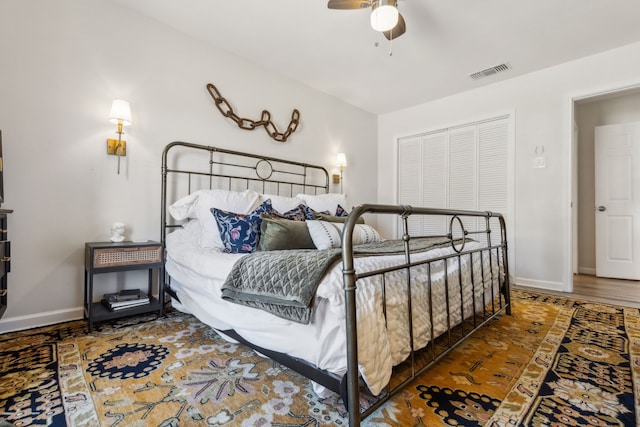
398, 30
349, 4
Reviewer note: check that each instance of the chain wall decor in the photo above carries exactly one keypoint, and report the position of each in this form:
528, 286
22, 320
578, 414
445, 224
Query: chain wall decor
223, 105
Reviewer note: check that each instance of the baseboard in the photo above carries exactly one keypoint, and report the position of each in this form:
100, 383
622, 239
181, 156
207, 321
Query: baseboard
587, 271
551, 286
19, 323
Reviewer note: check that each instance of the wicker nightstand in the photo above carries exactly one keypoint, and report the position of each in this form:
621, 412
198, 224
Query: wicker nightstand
109, 257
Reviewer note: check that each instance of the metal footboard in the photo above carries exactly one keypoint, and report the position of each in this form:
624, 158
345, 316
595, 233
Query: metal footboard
497, 301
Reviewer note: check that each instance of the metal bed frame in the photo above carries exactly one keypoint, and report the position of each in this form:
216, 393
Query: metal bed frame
231, 169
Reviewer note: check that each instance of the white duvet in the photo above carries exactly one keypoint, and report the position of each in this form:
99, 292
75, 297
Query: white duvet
197, 275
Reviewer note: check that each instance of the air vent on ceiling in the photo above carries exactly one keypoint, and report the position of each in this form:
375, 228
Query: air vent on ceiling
490, 71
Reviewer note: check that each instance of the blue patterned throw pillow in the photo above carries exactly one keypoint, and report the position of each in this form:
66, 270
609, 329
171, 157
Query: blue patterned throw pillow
340, 211
311, 214
295, 214
241, 233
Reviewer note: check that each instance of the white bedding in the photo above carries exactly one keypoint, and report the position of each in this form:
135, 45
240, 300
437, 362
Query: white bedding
197, 275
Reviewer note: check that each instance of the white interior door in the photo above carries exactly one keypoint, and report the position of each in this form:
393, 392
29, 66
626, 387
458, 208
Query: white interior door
617, 197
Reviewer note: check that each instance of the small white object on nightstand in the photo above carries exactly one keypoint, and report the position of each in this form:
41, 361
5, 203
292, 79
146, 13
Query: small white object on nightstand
117, 232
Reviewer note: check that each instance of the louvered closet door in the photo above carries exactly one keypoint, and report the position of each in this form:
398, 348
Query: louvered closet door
460, 168
423, 180
434, 181
410, 180
493, 175
463, 176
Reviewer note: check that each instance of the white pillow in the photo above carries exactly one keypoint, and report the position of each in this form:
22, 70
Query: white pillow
282, 204
326, 235
199, 203
184, 207
324, 202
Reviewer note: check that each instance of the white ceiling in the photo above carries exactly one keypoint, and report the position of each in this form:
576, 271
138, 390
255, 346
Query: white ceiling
335, 51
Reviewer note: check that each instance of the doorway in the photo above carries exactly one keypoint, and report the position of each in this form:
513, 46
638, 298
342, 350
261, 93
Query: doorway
614, 107
617, 197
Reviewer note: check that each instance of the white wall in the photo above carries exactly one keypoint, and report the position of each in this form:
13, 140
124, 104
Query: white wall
619, 109
62, 64
542, 105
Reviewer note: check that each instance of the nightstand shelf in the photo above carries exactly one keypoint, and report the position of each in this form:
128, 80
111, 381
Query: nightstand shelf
100, 313
110, 257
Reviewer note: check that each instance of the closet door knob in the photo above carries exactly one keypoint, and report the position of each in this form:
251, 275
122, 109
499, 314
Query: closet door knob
602, 208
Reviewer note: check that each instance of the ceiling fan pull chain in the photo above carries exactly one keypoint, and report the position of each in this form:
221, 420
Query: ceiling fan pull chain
265, 119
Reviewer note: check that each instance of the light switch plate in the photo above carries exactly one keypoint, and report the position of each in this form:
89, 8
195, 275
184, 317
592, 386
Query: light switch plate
539, 162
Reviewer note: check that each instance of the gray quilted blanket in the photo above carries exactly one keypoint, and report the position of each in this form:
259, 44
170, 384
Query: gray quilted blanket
284, 282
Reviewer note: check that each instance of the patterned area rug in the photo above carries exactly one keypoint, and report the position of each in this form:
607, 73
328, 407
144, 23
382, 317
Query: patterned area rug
554, 362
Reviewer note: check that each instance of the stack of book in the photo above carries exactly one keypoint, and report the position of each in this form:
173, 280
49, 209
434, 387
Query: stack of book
126, 298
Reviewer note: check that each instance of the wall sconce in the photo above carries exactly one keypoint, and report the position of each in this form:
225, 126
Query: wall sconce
341, 162
121, 115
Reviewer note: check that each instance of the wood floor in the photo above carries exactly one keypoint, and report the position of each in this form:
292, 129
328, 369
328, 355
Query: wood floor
612, 291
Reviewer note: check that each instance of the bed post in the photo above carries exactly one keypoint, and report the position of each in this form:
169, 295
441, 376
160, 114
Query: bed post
163, 220
348, 274
507, 280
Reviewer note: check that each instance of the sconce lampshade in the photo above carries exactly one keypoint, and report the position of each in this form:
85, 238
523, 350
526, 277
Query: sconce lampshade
384, 15
341, 159
120, 112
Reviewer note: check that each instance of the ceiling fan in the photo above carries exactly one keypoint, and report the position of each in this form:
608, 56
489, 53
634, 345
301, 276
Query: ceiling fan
384, 15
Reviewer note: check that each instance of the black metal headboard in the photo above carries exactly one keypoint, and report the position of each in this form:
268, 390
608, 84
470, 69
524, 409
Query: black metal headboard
189, 167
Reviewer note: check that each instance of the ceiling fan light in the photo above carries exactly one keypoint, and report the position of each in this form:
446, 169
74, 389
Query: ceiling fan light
384, 15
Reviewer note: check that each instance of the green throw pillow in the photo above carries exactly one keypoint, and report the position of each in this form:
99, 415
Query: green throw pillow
279, 234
